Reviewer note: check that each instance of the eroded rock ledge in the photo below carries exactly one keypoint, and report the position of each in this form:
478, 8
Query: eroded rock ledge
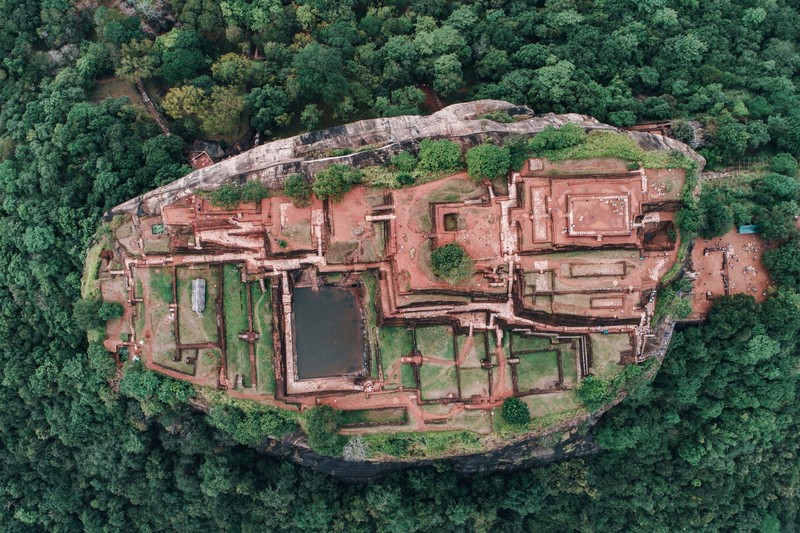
274, 161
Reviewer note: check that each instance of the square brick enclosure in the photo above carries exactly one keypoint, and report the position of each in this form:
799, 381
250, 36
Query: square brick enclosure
598, 215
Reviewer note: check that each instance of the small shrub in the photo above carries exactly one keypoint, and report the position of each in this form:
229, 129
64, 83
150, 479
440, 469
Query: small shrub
282, 243
110, 311
85, 313
515, 411
682, 131
451, 262
404, 162
225, 196
335, 181
498, 116
594, 392
557, 139
321, 426
297, 189
229, 196
405, 179
355, 449
253, 191
439, 156
784, 164
487, 162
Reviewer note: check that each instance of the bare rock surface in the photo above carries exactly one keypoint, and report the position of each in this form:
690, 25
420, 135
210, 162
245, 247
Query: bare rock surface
378, 138
374, 142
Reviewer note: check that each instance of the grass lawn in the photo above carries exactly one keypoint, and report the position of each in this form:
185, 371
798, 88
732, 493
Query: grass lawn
392, 415
537, 370
436, 341
194, 328
546, 410
569, 363
407, 377
262, 322
438, 381
166, 359
161, 284
477, 351
370, 285
234, 304
395, 342
116, 88
606, 351
528, 343
474, 381
608, 144
90, 288
162, 335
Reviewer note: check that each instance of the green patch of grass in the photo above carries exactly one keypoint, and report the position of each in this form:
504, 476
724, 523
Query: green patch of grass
528, 343
425, 444
161, 284
477, 351
234, 305
370, 284
262, 322
407, 379
90, 287
140, 319
438, 381
606, 350
538, 370
474, 381
608, 144
392, 415
436, 341
546, 410
196, 329
394, 342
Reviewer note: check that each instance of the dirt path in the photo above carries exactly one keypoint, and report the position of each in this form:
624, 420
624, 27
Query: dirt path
500, 391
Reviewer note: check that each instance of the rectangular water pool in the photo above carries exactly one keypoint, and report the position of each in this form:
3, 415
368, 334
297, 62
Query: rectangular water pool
328, 335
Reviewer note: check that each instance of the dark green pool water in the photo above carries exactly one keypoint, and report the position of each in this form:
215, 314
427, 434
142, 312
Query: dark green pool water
328, 337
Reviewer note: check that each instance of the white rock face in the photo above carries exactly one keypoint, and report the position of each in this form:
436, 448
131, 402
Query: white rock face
304, 154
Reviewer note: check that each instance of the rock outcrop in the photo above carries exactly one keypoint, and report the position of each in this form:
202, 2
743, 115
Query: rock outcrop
377, 139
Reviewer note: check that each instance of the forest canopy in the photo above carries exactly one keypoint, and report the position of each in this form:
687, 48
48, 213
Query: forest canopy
711, 443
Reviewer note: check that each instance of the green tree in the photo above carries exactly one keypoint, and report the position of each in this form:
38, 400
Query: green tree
439, 156
185, 101
231, 69
551, 138
181, 55
783, 264
311, 116
451, 262
488, 162
784, 164
224, 112
267, 107
319, 74
297, 189
321, 425
515, 411
335, 181
594, 392
137, 61
110, 311
85, 313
